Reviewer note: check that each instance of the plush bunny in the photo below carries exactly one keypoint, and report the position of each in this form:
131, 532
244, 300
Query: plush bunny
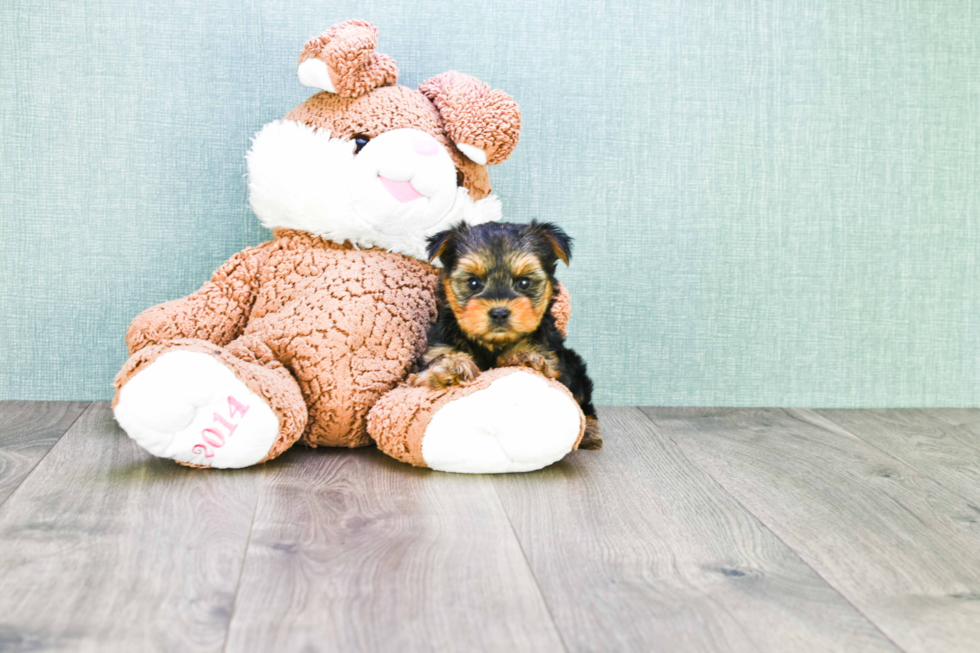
311, 335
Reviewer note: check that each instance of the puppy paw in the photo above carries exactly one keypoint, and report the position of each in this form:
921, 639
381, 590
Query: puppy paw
537, 361
448, 370
591, 439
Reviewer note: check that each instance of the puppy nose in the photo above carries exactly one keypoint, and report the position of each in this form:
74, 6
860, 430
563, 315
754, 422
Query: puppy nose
499, 314
425, 144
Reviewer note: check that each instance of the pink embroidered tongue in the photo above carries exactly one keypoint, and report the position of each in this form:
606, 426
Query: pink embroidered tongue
403, 191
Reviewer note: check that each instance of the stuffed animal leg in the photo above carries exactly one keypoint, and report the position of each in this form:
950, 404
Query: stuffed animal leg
194, 392
506, 420
294, 339
204, 405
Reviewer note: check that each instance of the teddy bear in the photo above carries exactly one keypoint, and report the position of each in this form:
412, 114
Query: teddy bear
312, 337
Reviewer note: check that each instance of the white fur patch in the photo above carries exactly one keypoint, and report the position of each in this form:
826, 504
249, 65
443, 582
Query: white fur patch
313, 73
179, 408
301, 178
473, 153
517, 424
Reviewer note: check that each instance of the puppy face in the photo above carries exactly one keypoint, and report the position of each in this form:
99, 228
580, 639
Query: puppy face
499, 278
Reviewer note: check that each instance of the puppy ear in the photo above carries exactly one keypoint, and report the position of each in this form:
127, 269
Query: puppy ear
342, 61
439, 244
557, 239
483, 123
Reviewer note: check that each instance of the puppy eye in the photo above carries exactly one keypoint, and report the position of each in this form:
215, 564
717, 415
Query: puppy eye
523, 283
474, 284
360, 140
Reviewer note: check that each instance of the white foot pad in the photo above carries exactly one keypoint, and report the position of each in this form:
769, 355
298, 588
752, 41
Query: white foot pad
188, 407
517, 424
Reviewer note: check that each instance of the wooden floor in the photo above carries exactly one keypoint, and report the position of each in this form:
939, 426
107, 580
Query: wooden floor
693, 530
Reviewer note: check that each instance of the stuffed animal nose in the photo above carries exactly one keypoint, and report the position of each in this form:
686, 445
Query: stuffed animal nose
499, 314
425, 145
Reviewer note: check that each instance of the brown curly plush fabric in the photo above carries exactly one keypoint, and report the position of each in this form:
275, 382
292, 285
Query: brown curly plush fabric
452, 107
562, 309
266, 377
320, 330
399, 419
384, 109
346, 325
348, 51
476, 114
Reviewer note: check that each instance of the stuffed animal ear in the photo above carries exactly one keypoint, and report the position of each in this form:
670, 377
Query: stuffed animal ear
342, 61
483, 123
559, 242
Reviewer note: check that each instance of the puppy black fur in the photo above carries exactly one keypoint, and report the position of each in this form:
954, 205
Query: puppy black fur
495, 295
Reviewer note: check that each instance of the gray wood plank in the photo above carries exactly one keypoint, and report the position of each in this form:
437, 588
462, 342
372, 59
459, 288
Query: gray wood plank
104, 548
28, 430
635, 549
899, 546
353, 551
943, 444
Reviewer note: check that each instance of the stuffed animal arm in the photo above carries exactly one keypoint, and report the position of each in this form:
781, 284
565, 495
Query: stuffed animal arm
217, 312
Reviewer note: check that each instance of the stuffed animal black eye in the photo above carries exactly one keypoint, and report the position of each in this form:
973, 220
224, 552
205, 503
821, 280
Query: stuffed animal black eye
474, 284
360, 140
523, 283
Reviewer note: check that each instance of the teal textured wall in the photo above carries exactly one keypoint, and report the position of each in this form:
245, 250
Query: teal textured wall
775, 202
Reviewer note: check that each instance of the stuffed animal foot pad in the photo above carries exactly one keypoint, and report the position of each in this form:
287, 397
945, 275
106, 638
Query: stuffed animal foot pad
189, 407
506, 420
517, 424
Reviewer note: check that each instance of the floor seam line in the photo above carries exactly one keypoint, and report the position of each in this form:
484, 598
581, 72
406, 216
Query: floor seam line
530, 569
241, 570
766, 526
886, 453
34, 466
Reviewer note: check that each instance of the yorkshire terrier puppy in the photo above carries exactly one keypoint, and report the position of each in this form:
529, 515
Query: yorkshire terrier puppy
495, 294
